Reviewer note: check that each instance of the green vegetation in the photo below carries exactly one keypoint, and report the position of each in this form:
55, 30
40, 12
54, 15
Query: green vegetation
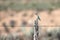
18, 5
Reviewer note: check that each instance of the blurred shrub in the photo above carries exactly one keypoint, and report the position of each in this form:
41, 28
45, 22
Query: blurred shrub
33, 4
3, 7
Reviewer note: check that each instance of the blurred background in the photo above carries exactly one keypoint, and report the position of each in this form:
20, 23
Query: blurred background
17, 19
29, 4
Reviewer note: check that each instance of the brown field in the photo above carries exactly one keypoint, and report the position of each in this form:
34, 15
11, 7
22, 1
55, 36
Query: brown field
51, 19
25, 19
29, 17
24, 23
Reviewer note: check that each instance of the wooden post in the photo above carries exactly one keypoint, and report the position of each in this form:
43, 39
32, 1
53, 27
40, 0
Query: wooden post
36, 30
